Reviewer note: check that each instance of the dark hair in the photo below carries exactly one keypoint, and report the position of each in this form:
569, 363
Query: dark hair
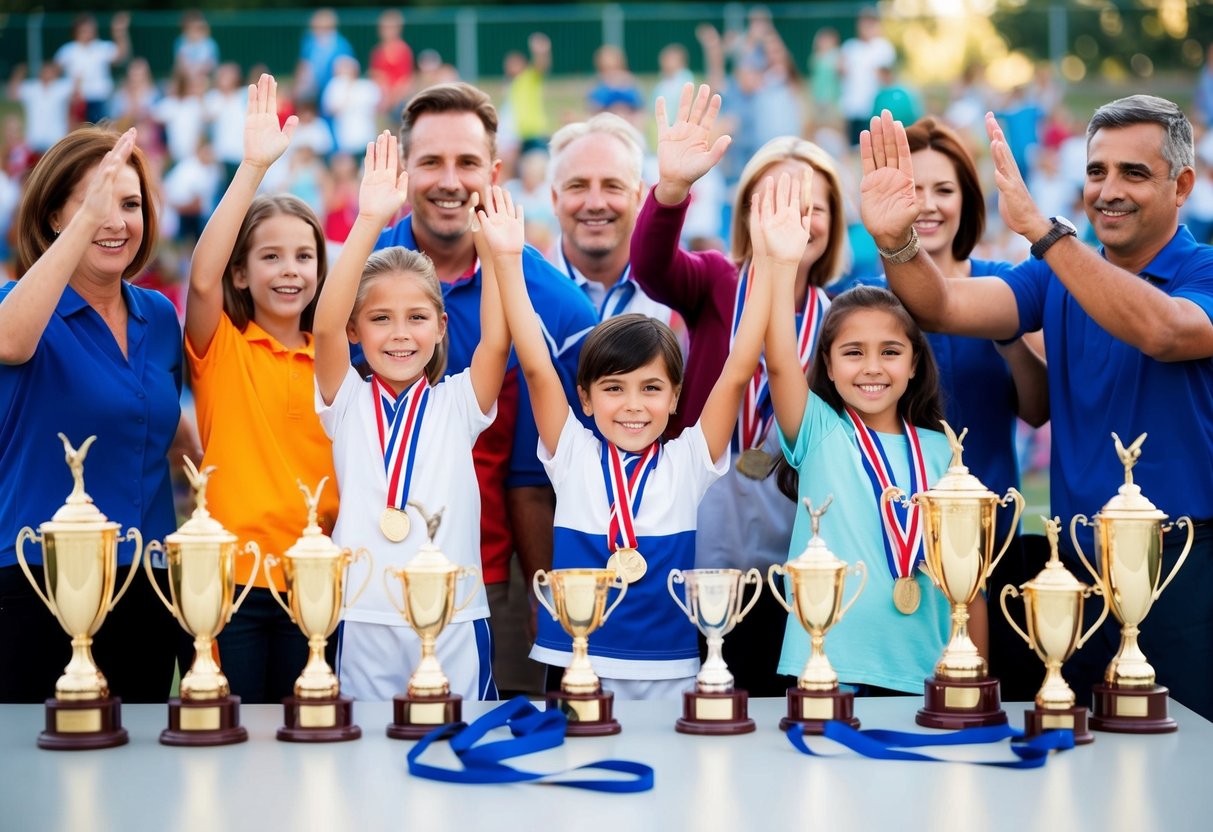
921, 404
625, 343
457, 97
929, 134
238, 303
1177, 148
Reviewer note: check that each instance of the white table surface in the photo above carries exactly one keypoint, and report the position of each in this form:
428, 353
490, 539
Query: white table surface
750, 782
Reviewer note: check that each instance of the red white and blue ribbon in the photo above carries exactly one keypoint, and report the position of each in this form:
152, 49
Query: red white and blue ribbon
902, 524
617, 298
757, 414
398, 419
625, 493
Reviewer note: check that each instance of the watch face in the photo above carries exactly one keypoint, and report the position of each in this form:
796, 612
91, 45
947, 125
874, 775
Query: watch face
1065, 222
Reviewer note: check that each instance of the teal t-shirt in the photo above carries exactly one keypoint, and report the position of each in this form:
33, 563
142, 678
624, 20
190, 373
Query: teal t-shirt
874, 644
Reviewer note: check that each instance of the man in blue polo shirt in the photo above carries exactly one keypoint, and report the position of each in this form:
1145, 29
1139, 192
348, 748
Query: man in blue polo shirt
1129, 337
448, 138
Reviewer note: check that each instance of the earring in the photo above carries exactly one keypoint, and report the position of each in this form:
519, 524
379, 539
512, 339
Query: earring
55, 232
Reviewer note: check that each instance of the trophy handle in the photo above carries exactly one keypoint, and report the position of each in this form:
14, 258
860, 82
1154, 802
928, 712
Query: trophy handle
1074, 521
539, 579
154, 546
1183, 521
752, 577
676, 577
1013, 592
1095, 590
1011, 495
468, 572
391, 597
860, 569
777, 569
250, 548
268, 565
131, 534
621, 584
28, 534
370, 567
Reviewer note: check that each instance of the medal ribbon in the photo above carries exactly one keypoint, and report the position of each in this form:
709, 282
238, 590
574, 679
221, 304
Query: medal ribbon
757, 414
902, 526
625, 493
398, 421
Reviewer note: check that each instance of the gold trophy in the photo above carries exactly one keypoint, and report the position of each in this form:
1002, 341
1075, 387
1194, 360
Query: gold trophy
958, 541
315, 571
714, 606
429, 582
816, 580
579, 604
1053, 603
80, 569
201, 557
1128, 549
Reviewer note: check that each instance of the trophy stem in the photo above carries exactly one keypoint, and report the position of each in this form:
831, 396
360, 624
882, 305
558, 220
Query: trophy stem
1129, 668
818, 672
1055, 694
960, 658
318, 681
579, 676
204, 680
429, 680
714, 676
81, 679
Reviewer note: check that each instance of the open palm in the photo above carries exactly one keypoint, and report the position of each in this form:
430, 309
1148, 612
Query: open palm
887, 203
264, 139
384, 187
502, 223
685, 151
778, 228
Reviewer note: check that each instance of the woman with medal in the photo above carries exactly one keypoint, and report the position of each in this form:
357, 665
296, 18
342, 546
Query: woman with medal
744, 521
865, 420
627, 501
406, 433
85, 352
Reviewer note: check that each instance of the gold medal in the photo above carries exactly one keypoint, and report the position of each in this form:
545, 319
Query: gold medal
906, 595
394, 524
755, 463
629, 563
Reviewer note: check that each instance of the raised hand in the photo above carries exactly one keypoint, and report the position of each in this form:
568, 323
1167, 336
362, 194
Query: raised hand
264, 140
99, 198
683, 150
384, 187
779, 229
501, 223
1015, 204
887, 203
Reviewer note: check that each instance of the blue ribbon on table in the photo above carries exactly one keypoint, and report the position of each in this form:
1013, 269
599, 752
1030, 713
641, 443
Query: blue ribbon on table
879, 744
533, 730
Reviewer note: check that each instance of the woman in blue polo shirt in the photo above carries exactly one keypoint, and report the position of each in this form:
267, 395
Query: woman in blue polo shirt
84, 352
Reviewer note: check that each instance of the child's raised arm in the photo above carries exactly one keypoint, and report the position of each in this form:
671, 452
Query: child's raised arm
384, 190
264, 143
500, 242
780, 233
493, 351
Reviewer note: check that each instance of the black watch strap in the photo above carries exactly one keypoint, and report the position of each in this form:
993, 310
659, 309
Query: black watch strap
1062, 227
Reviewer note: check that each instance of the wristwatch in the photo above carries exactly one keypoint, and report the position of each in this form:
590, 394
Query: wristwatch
904, 254
1062, 227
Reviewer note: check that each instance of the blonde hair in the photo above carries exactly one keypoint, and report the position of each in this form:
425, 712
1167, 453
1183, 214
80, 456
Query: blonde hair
398, 260
603, 124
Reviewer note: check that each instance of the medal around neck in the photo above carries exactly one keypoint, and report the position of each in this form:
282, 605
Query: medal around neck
79, 573
714, 604
429, 582
578, 603
816, 580
1053, 609
958, 516
315, 571
201, 558
1128, 550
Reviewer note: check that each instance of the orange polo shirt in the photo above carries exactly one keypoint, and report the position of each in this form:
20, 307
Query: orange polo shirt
257, 420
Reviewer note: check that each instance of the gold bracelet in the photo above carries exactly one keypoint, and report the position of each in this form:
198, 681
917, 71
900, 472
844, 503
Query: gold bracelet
904, 254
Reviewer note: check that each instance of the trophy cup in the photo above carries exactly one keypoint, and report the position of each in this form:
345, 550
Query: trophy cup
1053, 608
201, 558
713, 605
816, 581
579, 604
315, 572
429, 603
1128, 549
958, 539
80, 569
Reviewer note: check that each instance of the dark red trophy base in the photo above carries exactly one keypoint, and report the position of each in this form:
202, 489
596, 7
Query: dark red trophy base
416, 716
204, 722
588, 714
961, 703
715, 713
1130, 711
812, 709
318, 720
1039, 720
81, 725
